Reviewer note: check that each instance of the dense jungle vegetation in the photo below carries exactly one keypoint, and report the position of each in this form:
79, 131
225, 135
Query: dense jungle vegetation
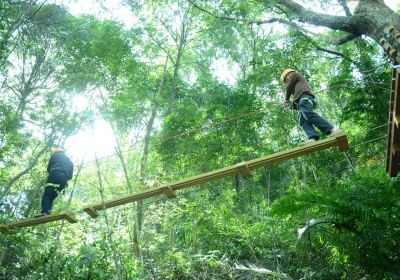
190, 87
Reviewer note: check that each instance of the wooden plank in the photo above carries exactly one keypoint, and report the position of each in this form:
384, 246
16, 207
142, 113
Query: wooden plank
343, 144
396, 99
69, 216
394, 141
393, 144
169, 192
390, 126
392, 157
205, 177
91, 211
296, 152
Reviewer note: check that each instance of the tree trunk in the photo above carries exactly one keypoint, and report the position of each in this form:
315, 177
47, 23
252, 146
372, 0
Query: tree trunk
137, 250
371, 18
8, 185
174, 87
181, 42
109, 232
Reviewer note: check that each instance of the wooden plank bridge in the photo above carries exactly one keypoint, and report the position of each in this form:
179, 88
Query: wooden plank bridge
69, 216
169, 190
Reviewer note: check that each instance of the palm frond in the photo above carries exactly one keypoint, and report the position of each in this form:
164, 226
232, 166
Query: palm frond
260, 270
312, 223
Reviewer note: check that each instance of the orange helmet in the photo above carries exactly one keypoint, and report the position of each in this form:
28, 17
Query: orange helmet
57, 149
285, 72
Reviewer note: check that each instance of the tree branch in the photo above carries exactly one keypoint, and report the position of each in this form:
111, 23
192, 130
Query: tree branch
7, 187
345, 7
327, 50
338, 54
346, 38
344, 23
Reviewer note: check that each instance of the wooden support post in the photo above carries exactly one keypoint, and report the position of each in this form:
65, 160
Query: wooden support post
343, 144
69, 216
244, 170
169, 192
91, 211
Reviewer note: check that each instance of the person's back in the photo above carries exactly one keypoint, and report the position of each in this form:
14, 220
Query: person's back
60, 169
59, 162
296, 87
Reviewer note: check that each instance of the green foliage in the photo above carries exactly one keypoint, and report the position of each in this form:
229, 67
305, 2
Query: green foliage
188, 91
352, 210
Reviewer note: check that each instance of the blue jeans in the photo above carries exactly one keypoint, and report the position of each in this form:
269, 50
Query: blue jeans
50, 193
309, 119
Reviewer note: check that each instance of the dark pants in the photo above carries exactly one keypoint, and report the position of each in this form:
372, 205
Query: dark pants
309, 119
51, 192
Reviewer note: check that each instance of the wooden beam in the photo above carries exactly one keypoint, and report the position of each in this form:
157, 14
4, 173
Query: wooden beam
91, 211
390, 126
393, 143
69, 216
343, 144
244, 170
298, 151
396, 97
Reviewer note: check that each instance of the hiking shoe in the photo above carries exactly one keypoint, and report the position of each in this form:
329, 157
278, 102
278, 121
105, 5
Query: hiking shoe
334, 132
309, 141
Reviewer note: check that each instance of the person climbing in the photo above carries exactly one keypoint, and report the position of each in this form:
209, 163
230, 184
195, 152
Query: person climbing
304, 101
60, 169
